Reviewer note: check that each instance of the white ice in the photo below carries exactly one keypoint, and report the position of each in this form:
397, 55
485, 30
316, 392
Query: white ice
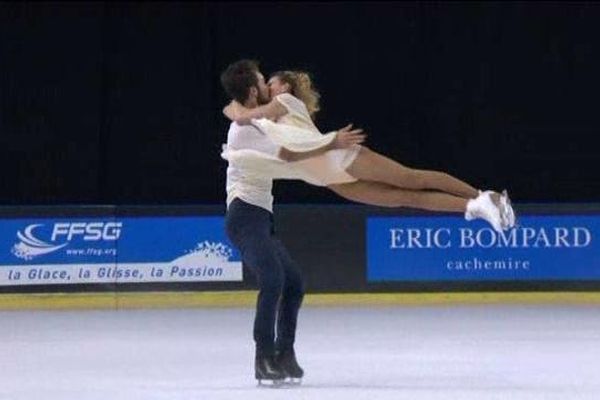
453, 352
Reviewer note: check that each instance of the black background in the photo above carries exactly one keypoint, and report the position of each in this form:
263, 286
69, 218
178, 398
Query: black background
119, 103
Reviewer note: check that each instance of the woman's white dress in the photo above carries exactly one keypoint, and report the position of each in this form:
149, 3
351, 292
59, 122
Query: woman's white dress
296, 132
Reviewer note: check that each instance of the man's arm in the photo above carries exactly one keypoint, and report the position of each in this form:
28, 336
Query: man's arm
344, 138
288, 155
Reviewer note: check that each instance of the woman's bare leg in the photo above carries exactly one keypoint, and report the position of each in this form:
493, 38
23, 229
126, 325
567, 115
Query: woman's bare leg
383, 195
371, 166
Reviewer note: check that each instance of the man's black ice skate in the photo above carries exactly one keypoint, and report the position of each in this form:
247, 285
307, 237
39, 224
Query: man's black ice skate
286, 359
266, 369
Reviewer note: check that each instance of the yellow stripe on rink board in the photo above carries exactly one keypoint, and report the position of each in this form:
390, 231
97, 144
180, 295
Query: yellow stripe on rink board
139, 300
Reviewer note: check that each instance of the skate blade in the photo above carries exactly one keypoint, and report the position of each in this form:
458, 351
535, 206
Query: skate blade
271, 383
293, 381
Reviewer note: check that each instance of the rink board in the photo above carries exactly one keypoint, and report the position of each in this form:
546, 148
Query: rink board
229, 299
342, 249
116, 249
426, 249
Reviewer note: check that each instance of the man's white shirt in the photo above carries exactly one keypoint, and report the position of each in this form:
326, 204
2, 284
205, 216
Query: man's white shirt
249, 186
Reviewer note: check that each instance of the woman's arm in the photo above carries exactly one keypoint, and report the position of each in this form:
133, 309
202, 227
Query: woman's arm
242, 115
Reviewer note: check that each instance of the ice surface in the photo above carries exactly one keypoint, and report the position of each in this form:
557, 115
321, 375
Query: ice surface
454, 352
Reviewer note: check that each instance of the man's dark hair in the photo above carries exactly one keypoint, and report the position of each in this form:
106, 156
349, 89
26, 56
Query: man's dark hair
238, 78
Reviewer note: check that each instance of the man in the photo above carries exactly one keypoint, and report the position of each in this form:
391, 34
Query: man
249, 225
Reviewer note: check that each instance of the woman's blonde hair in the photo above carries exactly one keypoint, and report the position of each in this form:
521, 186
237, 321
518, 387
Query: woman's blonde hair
301, 87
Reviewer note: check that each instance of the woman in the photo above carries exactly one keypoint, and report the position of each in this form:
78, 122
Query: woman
357, 173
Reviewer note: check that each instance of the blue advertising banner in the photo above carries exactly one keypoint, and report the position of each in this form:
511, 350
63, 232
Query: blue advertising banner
564, 247
101, 250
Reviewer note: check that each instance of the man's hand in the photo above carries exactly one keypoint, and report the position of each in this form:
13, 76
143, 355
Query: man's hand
344, 138
347, 137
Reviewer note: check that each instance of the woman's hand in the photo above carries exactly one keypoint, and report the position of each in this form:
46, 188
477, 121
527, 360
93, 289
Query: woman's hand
347, 137
229, 111
234, 111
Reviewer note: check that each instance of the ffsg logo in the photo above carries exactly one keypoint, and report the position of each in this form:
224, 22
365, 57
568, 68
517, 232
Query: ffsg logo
88, 231
30, 245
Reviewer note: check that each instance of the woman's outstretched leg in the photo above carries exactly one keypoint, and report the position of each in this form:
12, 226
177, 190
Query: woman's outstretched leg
384, 195
371, 166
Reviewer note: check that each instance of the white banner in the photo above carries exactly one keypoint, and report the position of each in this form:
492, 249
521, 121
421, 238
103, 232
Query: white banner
121, 273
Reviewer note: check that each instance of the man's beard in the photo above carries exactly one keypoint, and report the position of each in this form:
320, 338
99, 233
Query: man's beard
261, 100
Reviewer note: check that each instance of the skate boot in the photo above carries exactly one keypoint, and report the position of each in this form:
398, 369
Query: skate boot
266, 369
508, 214
484, 207
286, 359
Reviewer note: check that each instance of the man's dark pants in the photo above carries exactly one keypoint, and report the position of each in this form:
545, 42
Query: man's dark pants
250, 229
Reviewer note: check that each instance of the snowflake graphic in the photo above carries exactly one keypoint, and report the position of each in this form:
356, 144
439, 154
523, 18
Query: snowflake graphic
212, 250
